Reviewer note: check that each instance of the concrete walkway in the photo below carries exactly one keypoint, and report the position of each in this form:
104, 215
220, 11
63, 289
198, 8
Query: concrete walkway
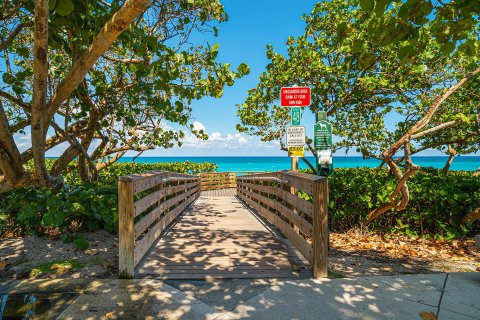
449, 296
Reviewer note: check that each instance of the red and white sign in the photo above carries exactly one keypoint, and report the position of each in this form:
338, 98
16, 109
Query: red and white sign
295, 96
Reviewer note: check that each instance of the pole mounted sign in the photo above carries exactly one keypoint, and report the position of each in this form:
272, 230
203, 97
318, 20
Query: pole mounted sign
322, 139
295, 96
296, 151
296, 116
296, 136
323, 135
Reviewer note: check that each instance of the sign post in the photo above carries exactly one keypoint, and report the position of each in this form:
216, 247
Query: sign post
323, 147
295, 97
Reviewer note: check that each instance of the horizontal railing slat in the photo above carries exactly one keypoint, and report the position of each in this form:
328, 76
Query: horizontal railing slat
142, 185
257, 189
217, 180
146, 221
183, 188
142, 246
298, 241
292, 216
292, 199
146, 202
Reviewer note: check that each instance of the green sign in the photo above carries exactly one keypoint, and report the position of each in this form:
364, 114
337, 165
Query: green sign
296, 116
323, 135
321, 116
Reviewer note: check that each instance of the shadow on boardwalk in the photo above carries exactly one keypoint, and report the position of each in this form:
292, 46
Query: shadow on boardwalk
217, 237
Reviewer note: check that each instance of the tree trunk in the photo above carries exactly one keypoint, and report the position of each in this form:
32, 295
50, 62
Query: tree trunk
473, 216
402, 178
40, 70
420, 124
446, 168
11, 161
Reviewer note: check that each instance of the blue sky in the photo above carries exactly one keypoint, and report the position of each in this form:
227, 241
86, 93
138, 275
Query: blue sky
243, 39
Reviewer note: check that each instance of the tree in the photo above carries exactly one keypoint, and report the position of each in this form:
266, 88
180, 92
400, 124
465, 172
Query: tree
363, 74
454, 26
114, 74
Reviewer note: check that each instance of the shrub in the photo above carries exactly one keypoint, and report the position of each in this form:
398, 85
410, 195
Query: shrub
77, 206
438, 202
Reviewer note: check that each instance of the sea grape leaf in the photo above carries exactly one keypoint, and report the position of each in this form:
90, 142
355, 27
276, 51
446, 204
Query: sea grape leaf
64, 7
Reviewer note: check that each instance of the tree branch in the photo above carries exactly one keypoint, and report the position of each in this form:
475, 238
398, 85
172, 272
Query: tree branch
12, 35
105, 38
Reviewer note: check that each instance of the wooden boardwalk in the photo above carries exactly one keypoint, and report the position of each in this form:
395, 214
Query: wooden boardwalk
218, 237
219, 193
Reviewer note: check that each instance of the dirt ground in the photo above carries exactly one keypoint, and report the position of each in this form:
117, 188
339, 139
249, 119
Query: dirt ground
19, 256
352, 254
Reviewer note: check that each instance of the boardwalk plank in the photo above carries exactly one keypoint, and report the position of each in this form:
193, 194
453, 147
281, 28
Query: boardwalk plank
218, 237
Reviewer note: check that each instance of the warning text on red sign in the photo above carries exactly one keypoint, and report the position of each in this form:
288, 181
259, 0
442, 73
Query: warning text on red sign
295, 96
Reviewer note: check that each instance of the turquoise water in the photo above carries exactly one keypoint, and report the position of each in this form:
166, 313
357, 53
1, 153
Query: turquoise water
252, 164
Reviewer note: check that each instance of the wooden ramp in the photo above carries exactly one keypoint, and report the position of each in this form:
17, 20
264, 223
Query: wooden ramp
218, 237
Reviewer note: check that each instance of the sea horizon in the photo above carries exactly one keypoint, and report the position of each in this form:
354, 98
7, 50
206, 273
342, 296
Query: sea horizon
275, 163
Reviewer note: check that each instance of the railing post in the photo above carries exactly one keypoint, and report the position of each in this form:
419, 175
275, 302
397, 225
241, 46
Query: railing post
126, 215
320, 228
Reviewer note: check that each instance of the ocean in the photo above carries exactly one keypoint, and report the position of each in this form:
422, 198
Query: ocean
259, 164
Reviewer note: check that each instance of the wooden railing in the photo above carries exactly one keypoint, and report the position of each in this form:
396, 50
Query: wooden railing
147, 204
218, 180
275, 196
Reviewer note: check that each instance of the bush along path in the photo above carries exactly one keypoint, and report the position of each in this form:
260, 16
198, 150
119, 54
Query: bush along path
438, 203
78, 206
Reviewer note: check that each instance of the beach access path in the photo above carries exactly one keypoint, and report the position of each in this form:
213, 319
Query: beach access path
218, 237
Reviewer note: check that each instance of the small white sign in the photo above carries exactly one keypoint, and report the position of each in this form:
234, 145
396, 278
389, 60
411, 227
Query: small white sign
324, 157
296, 136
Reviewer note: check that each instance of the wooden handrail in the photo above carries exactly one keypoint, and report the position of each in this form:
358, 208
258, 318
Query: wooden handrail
161, 197
266, 179
218, 180
304, 223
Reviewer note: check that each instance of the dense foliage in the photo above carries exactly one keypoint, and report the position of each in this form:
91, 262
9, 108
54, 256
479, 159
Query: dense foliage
395, 77
121, 75
438, 202
78, 206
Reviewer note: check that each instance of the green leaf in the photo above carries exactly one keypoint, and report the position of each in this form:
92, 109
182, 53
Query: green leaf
215, 47
405, 52
448, 47
341, 28
357, 46
381, 6
404, 11
51, 4
7, 78
243, 69
64, 7
81, 243
367, 5
52, 219
366, 59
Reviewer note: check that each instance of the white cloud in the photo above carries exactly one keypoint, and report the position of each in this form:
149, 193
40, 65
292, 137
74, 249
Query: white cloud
215, 136
197, 125
221, 143
23, 141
